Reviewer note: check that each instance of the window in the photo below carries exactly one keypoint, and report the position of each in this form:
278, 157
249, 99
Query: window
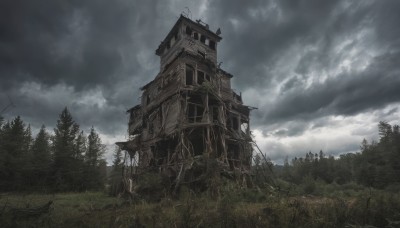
212, 44
203, 39
200, 77
235, 123
191, 113
195, 113
199, 113
189, 75
188, 30
196, 36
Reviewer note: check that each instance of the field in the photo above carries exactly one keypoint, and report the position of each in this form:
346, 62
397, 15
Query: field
232, 208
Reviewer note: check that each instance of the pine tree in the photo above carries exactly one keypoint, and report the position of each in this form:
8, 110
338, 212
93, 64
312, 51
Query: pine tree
65, 167
94, 161
14, 156
41, 159
116, 174
95, 149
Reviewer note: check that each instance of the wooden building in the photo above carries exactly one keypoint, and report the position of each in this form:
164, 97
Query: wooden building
189, 111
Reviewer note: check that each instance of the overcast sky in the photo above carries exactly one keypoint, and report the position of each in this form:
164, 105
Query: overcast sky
322, 73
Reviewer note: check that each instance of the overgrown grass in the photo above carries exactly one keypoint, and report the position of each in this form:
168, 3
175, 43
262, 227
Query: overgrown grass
351, 206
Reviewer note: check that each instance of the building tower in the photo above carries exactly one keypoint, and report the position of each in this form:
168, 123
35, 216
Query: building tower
189, 111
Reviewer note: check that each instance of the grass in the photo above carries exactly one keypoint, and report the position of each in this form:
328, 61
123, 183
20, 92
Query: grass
233, 208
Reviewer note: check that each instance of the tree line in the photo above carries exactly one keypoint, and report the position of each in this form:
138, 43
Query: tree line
376, 165
66, 160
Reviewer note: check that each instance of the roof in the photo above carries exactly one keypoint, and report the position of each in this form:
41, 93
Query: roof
225, 73
192, 23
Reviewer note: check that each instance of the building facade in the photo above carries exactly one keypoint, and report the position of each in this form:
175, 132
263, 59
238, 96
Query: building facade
189, 111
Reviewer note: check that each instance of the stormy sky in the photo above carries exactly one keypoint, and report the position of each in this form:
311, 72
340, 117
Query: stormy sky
322, 73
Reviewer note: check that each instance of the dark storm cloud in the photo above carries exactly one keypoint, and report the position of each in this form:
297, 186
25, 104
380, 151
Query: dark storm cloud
93, 56
76, 42
48, 48
346, 94
269, 30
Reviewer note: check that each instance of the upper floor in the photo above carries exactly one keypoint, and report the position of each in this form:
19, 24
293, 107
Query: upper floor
194, 37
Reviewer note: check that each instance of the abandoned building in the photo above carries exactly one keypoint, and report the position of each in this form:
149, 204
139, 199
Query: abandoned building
189, 110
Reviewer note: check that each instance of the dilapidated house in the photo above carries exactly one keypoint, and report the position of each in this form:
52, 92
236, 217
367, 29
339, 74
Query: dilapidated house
189, 111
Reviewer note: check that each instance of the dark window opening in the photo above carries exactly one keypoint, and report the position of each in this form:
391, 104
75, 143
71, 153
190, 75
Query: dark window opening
195, 113
197, 140
191, 113
235, 123
189, 75
196, 36
208, 77
212, 44
188, 30
233, 155
200, 77
203, 39
199, 113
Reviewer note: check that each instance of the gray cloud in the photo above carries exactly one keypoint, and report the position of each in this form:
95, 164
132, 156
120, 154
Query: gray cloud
307, 60
346, 94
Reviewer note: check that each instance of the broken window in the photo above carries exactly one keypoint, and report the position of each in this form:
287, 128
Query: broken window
196, 36
199, 113
191, 113
188, 30
212, 44
200, 77
195, 113
235, 123
189, 75
197, 140
203, 39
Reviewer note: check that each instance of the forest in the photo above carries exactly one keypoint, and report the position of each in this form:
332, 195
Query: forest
66, 160
377, 165
60, 178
